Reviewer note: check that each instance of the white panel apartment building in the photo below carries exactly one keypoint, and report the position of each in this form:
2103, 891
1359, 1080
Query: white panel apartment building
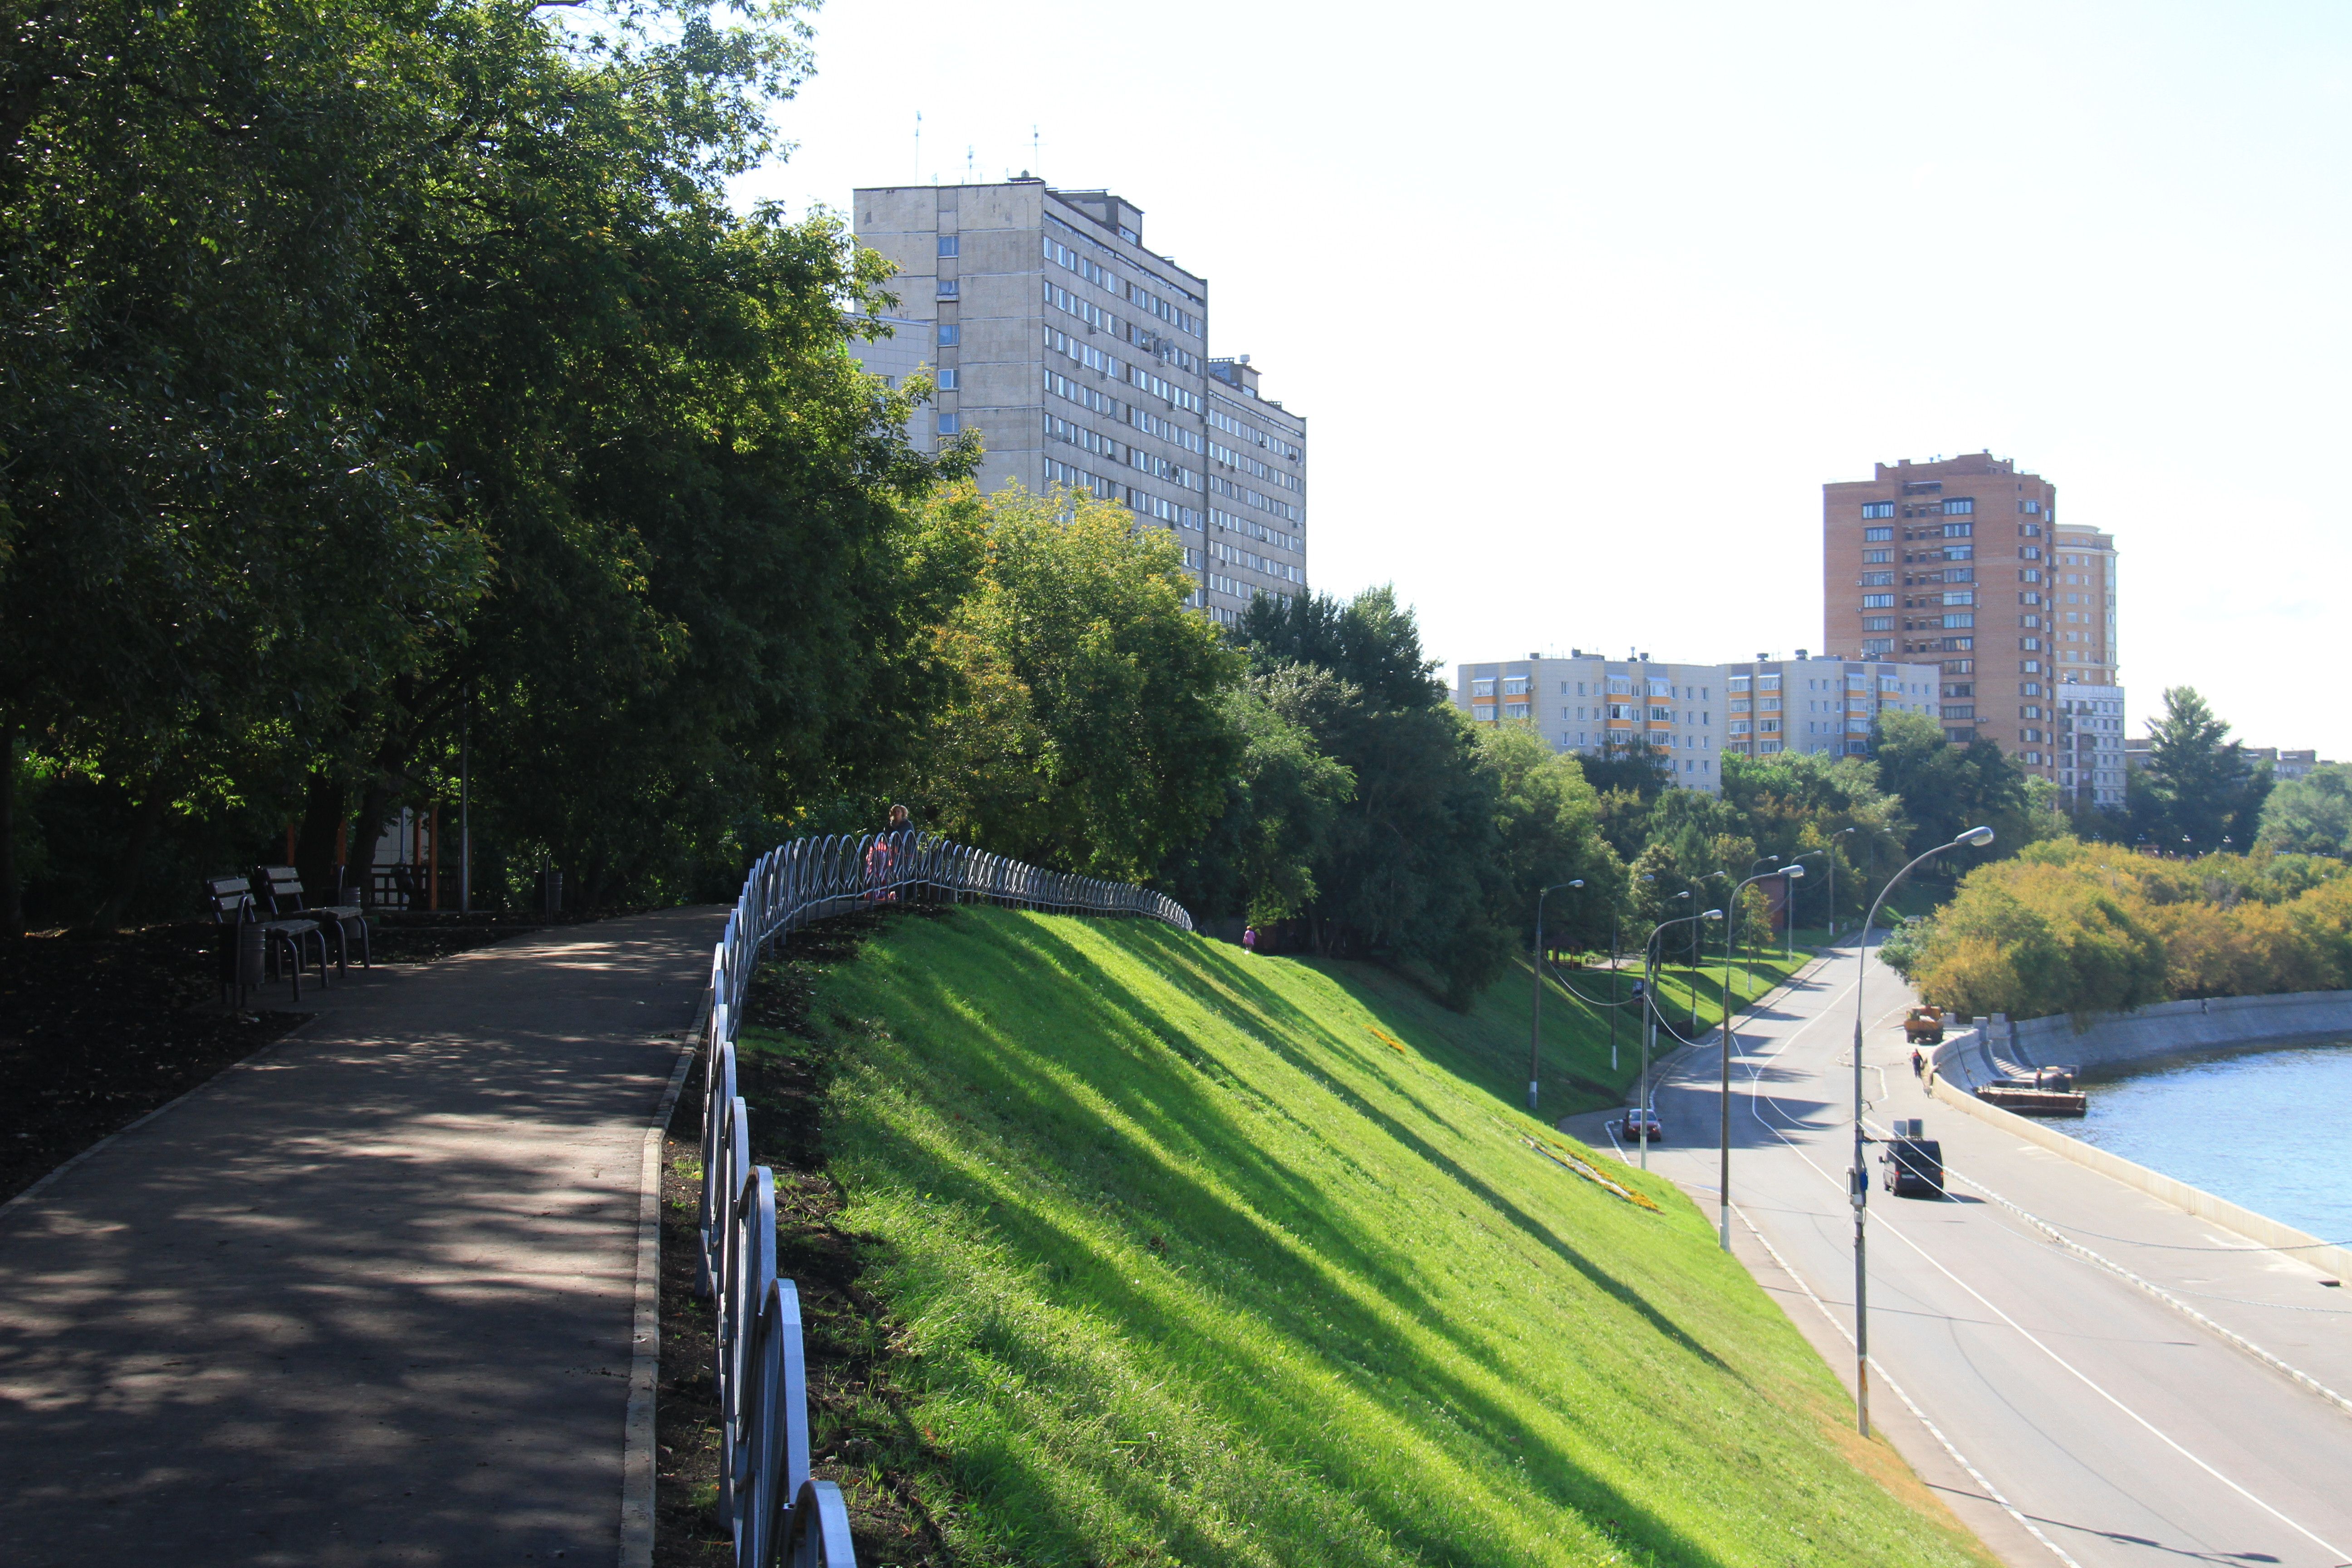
1081, 358
1691, 714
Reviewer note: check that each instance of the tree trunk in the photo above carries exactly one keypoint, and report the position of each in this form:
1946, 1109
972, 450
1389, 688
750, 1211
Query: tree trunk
323, 801
128, 866
12, 901
376, 811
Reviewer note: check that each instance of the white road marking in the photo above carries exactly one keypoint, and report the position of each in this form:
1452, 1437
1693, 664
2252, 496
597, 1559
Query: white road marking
1756, 1094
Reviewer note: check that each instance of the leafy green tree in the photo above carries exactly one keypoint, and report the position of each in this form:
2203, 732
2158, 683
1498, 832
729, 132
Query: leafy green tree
2030, 939
1829, 810
1946, 789
1547, 822
2312, 814
714, 567
209, 536
2197, 786
1411, 874
1258, 859
1096, 733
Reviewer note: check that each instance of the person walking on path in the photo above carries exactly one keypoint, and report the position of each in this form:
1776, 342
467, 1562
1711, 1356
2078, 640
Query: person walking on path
882, 857
1249, 939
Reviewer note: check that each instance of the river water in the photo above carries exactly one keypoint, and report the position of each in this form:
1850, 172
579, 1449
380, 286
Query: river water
2268, 1129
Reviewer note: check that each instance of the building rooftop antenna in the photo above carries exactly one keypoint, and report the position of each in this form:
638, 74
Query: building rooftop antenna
918, 146
1036, 159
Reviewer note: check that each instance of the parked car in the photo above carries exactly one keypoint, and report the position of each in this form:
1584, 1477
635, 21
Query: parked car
1628, 1126
1912, 1167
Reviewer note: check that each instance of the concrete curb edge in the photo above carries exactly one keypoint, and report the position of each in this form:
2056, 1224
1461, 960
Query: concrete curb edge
2256, 1227
645, 1361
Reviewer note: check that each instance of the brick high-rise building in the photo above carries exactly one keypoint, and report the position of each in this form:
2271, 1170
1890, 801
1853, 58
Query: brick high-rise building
1963, 561
1082, 358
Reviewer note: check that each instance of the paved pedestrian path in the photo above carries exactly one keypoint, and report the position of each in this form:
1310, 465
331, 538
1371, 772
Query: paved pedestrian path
366, 1298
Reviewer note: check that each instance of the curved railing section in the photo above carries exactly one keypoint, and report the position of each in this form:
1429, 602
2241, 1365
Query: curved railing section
779, 1513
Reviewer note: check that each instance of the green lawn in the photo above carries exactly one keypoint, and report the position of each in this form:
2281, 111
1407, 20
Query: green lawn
1203, 1259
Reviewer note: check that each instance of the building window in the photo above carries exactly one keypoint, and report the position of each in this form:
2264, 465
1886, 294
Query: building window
1959, 530
1961, 597
949, 245
1514, 710
1482, 687
1874, 557
1515, 685
1959, 506
1878, 579
950, 334
946, 379
1877, 535
949, 425
1877, 508
1878, 622
946, 289
1878, 601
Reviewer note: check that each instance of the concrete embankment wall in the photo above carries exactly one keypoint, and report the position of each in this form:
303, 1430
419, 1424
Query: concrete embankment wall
1964, 1061
2170, 1028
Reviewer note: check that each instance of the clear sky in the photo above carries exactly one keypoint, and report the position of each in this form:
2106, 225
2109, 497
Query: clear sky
1584, 302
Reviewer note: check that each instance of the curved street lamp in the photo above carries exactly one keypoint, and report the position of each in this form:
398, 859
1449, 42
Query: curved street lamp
1858, 1179
1789, 903
1616, 915
1830, 924
1723, 1102
1534, 1019
1650, 1008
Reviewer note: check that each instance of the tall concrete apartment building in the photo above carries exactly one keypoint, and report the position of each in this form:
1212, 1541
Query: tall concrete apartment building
1963, 561
1690, 715
1082, 359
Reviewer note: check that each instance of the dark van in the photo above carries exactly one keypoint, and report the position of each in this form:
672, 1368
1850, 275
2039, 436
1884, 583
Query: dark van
1912, 1167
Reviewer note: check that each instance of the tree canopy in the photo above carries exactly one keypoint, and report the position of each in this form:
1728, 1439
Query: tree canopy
2312, 814
2199, 786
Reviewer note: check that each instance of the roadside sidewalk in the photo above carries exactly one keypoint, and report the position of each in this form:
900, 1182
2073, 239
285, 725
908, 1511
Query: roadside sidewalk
368, 1298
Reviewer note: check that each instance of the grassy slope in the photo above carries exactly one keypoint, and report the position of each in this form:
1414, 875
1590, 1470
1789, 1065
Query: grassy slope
1210, 1260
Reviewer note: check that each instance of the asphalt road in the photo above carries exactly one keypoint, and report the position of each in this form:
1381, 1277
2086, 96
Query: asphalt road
2065, 1412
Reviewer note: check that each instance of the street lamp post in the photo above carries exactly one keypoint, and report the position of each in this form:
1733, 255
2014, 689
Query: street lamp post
1534, 1018
1792, 871
1650, 1008
1858, 1179
1788, 906
1830, 925
1685, 893
1616, 918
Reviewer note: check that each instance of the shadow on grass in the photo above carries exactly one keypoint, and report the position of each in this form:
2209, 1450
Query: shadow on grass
1060, 1145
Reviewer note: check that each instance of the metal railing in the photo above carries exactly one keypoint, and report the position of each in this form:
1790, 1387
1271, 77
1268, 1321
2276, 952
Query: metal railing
779, 1513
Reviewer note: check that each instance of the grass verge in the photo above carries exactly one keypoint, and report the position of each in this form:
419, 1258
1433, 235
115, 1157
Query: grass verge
1173, 1255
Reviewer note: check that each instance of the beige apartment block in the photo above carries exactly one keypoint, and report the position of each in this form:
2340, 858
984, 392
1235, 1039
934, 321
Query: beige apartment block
1081, 359
1591, 704
1690, 715
1962, 562
1821, 705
